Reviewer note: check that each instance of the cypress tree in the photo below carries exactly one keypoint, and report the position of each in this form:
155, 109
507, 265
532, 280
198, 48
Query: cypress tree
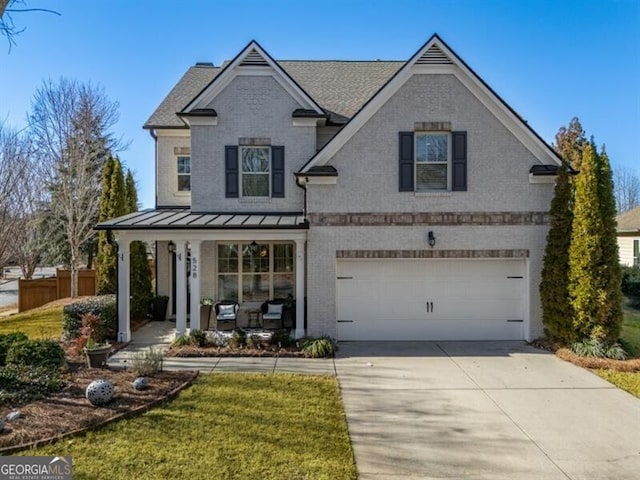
586, 285
111, 206
610, 314
140, 273
554, 285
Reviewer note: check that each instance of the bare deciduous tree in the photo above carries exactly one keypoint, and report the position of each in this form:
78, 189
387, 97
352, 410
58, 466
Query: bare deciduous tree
7, 26
71, 123
14, 157
627, 189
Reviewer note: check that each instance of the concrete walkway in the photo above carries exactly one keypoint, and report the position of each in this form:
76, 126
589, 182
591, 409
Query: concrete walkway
158, 335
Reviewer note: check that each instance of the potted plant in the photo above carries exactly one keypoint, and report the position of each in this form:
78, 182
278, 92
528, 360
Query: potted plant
91, 341
206, 304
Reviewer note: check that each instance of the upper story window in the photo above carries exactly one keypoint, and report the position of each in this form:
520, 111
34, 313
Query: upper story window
255, 172
432, 161
184, 173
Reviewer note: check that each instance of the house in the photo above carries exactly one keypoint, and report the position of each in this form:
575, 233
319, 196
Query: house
391, 200
629, 237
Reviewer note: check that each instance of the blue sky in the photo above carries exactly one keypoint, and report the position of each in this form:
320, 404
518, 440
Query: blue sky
550, 60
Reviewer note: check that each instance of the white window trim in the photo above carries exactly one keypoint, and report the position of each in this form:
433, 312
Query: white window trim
448, 162
178, 175
240, 274
242, 173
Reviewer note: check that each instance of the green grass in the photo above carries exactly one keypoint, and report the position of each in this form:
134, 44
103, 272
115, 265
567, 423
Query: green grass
631, 330
624, 380
226, 426
37, 323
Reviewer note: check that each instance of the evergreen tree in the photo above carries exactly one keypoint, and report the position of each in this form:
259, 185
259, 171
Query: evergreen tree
594, 270
585, 285
112, 204
554, 285
140, 273
610, 315
570, 142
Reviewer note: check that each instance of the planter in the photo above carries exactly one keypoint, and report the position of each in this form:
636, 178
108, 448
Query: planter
159, 308
97, 356
205, 313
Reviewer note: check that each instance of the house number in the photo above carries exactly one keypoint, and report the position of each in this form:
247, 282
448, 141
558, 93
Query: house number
194, 267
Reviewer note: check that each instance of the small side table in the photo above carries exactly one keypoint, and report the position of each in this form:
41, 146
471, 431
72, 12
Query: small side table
254, 318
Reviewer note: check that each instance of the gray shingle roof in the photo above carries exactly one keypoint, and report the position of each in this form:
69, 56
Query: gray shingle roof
340, 87
629, 221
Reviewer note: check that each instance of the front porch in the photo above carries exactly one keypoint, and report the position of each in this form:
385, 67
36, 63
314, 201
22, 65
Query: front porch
245, 258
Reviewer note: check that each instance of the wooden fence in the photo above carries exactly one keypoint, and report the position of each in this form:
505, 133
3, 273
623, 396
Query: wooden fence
34, 293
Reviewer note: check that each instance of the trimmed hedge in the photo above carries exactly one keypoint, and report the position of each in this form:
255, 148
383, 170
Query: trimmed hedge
6, 342
36, 353
104, 306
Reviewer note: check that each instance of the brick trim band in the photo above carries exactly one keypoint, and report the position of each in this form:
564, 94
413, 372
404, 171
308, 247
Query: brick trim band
436, 218
390, 254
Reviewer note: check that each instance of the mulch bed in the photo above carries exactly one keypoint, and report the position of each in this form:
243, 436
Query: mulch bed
630, 365
69, 412
186, 351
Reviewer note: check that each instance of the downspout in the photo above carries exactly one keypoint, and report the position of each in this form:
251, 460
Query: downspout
155, 186
304, 206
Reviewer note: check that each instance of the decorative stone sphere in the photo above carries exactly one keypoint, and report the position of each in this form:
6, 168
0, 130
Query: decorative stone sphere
99, 392
13, 416
140, 383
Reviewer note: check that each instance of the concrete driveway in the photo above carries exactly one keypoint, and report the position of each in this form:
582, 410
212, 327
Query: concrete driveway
483, 410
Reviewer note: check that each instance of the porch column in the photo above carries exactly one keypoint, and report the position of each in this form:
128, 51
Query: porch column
124, 323
300, 276
195, 285
181, 287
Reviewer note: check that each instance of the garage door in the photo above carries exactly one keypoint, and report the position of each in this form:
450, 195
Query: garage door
430, 299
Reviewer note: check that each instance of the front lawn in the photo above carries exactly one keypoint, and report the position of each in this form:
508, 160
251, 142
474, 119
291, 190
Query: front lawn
226, 426
630, 335
43, 322
631, 330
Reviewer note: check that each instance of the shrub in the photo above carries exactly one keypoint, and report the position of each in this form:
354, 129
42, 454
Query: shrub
631, 281
36, 353
238, 339
281, 338
6, 341
24, 383
92, 333
104, 306
318, 347
595, 348
147, 364
181, 340
254, 341
198, 338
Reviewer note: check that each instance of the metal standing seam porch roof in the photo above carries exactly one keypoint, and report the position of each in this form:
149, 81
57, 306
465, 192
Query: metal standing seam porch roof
182, 219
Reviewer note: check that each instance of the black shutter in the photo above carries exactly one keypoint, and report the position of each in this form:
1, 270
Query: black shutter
406, 162
231, 171
277, 172
459, 161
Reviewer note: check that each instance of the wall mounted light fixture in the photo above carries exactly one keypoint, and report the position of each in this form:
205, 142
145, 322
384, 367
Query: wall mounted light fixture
171, 247
432, 239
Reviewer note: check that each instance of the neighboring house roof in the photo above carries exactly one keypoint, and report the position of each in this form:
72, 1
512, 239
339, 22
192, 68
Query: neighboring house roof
629, 221
185, 219
339, 87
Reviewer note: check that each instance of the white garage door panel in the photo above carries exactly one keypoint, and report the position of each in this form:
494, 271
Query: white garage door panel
430, 299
